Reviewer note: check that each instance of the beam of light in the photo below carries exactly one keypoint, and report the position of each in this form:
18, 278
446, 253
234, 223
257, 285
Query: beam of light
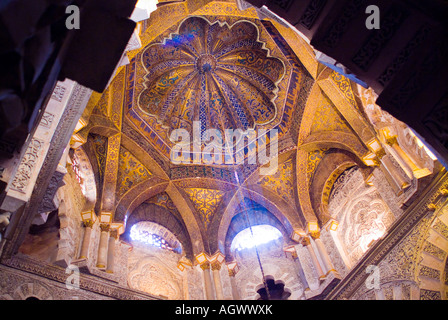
262, 234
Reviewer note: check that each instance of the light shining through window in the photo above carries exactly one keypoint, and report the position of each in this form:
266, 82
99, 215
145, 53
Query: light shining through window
141, 234
262, 234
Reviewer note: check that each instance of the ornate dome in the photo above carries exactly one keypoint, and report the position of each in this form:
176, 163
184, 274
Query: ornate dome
220, 75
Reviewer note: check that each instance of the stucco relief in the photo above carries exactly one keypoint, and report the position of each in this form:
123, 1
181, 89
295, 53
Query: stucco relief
153, 271
362, 214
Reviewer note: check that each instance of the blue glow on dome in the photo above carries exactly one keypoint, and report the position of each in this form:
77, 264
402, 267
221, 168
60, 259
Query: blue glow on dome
261, 234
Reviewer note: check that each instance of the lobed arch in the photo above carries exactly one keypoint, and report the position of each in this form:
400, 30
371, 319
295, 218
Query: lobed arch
332, 165
162, 216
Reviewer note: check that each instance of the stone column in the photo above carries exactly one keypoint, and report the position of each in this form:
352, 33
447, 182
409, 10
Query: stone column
111, 250
102, 246
400, 181
235, 293
306, 243
216, 267
295, 257
323, 253
84, 252
393, 142
209, 291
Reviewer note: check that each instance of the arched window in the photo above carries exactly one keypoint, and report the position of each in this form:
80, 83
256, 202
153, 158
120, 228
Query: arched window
150, 233
260, 234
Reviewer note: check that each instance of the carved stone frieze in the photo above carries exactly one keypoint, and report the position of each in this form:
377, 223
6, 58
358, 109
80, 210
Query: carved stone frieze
54, 278
27, 165
47, 204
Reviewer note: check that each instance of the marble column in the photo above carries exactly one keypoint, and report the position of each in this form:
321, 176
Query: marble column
111, 251
84, 252
400, 181
323, 253
209, 291
235, 293
216, 267
393, 142
302, 276
306, 243
102, 246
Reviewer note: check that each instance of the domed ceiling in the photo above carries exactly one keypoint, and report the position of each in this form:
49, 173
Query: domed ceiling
219, 75
225, 69
220, 72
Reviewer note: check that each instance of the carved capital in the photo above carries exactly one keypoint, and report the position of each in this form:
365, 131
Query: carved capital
392, 140
216, 266
205, 266
232, 272
315, 235
114, 233
104, 227
380, 153
88, 223
305, 241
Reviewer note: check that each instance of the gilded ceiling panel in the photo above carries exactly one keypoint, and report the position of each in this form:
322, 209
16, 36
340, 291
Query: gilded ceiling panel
282, 182
130, 172
327, 118
205, 201
163, 200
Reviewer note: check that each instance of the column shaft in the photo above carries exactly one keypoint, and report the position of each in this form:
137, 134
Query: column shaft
84, 252
209, 291
324, 255
102, 246
235, 293
111, 252
217, 280
306, 242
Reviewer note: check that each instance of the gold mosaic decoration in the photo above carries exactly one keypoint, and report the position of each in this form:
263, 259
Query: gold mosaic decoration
205, 201
327, 118
163, 200
282, 182
130, 173
314, 158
